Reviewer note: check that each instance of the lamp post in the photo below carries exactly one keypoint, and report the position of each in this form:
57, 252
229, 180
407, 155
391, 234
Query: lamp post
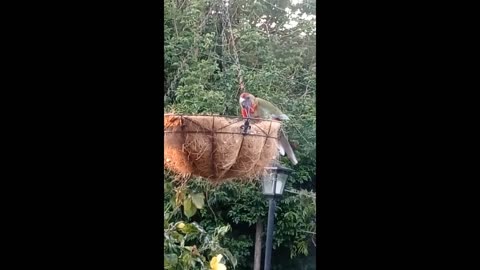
273, 183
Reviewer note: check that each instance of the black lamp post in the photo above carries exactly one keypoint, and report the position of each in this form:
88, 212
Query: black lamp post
273, 183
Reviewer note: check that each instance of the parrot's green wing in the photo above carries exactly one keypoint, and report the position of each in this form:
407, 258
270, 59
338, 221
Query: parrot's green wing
266, 109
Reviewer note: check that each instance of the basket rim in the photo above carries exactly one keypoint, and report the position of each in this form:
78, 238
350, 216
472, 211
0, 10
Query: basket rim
224, 116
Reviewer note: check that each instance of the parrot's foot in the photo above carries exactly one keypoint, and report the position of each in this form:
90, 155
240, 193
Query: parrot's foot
246, 127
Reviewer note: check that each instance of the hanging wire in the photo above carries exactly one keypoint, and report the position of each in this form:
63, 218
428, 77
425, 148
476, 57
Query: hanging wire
183, 118
226, 17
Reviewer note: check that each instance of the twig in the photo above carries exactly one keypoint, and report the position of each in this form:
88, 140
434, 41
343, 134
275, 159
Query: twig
306, 91
206, 199
307, 232
298, 193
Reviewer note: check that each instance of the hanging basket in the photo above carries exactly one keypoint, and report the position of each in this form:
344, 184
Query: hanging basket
217, 148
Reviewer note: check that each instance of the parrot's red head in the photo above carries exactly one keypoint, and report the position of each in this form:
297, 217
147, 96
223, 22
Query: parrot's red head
247, 102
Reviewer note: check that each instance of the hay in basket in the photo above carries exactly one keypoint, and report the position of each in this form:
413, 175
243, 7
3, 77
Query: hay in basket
215, 148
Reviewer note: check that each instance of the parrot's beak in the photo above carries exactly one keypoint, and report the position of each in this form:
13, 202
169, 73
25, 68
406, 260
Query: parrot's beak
246, 103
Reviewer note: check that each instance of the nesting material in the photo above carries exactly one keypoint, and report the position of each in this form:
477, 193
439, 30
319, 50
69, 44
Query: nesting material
214, 147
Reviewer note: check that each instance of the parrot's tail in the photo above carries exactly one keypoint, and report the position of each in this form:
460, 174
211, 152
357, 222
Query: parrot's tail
280, 149
286, 147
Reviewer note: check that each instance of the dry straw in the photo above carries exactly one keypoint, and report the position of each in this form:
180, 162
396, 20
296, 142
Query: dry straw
214, 147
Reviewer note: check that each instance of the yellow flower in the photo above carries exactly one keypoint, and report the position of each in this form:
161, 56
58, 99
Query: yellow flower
215, 263
180, 225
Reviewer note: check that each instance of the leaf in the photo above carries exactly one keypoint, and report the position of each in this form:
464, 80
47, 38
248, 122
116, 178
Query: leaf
179, 197
170, 261
165, 224
223, 230
200, 261
188, 208
190, 229
198, 227
178, 237
198, 200
228, 255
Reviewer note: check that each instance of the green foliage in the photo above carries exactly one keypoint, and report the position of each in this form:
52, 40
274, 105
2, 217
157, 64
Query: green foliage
297, 228
278, 63
189, 246
241, 206
242, 249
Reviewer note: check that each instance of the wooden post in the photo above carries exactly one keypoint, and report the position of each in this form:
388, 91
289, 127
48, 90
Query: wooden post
258, 245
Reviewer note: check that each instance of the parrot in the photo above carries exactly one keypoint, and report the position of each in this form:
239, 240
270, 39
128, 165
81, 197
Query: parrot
255, 107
